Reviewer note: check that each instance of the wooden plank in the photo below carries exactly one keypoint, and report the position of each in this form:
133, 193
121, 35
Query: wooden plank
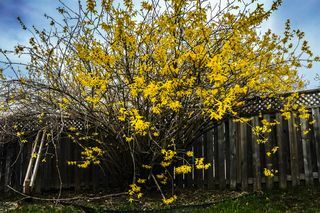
216, 156
208, 144
268, 145
256, 158
243, 151
8, 172
295, 176
77, 171
316, 135
238, 152
2, 165
227, 152
198, 173
306, 152
281, 152
233, 160
178, 178
189, 177
221, 156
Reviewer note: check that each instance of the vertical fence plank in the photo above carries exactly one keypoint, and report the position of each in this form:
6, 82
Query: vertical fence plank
2, 165
281, 152
316, 132
306, 149
227, 152
216, 155
295, 176
238, 152
221, 156
233, 162
198, 177
268, 145
243, 157
7, 175
208, 144
188, 178
256, 157
178, 178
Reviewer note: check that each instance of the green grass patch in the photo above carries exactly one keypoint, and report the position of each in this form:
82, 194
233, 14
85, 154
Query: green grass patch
299, 199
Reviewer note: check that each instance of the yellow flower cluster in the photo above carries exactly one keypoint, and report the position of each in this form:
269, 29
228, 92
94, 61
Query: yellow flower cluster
141, 180
20, 134
137, 122
146, 166
168, 156
163, 178
170, 200
139, 125
273, 151
200, 164
89, 155
184, 169
265, 128
269, 172
134, 191
189, 153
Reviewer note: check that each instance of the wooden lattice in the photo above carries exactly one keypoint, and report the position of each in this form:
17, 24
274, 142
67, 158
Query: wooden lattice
310, 98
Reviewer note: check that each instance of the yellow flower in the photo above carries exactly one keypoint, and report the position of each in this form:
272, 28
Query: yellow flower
200, 164
139, 195
184, 169
169, 200
165, 164
141, 180
19, 134
72, 128
268, 172
34, 155
129, 139
160, 176
189, 153
146, 166
275, 149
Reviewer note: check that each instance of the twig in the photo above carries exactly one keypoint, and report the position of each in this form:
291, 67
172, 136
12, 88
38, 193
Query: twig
66, 199
159, 188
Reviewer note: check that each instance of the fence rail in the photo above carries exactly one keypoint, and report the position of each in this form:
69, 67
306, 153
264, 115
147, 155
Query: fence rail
238, 161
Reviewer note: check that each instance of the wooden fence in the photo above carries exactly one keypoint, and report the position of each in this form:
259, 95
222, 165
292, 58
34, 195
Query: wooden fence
14, 160
238, 161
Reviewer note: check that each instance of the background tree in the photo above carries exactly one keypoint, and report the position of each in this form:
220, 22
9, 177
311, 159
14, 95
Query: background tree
148, 80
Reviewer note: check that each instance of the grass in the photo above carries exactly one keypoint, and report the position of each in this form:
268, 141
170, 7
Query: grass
299, 199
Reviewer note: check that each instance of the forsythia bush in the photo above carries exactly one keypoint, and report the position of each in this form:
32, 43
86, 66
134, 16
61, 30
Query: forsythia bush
151, 78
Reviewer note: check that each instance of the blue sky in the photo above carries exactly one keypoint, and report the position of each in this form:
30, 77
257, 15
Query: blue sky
304, 15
